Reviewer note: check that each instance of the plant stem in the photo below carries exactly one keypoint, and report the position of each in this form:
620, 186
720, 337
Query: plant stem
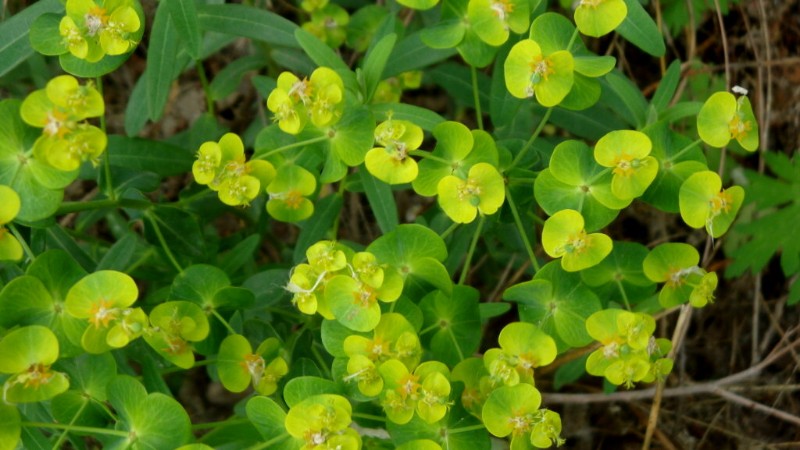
479, 426
529, 144
72, 207
684, 150
429, 155
449, 230
205, 425
22, 242
476, 96
106, 158
290, 146
201, 72
465, 270
522, 233
270, 442
223, 321
624, 295
160, 236
80, 429
63, 435
572, 38
368, 417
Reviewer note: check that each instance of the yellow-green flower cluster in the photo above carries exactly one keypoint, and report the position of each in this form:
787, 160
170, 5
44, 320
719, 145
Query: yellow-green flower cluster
318, 99
92, 29
223, 167
61, 110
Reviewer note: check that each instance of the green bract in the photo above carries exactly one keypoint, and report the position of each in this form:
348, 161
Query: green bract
288, 192
92, 30
675, 264
565, 237
317, 99
529, 72
703, 202
627, 153
457, 150
426, 391
240, 367
323, 422
724, 117
26, 354
482, 191
59, 110
391, 163
10, 248
599, 17
492, 19
103, 299
329, 24
173, 325
523, 347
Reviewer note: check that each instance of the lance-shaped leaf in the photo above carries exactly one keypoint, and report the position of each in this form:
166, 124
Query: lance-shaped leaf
27, 354
565, 237
703, 202
626, 153
724, 117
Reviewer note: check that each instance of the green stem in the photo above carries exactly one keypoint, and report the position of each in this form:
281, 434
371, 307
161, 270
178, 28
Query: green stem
223, 321
624, 295
322, 364
684, 150
429, 155
522, 233
163, 241
205, 425
270, 442
529, 144
466, 429
76, 428
72, 207
63, 435
201, 72
290, 146
449, 230
465, 270
476, 96
368, 417
572, 38
106, 157
22, 242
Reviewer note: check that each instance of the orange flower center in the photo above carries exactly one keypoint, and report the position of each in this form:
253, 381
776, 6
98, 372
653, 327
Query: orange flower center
96, 19
293, 199
101, 313
738, 127
37, 375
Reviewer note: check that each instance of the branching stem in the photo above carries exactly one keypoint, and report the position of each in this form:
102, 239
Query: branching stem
465, 270
522, 233
289, 147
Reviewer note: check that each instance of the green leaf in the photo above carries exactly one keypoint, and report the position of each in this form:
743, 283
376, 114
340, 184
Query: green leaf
640, 29
268, 418
90, 374
16, 48
184, 19
136, 113
407, 243
411, 53
600, 18
455, 318
120, 254
163, 62
301, 388
503, 106
153, 420
324, 56
381, 200
10, 424
318, 225
84, 69
353, 136
375, 63
247, 21
227, 80
45, 36
180, 230
626, 98
199, 284
667, 87
150, 156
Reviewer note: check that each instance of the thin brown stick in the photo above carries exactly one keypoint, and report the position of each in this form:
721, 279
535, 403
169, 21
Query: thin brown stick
744, 401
